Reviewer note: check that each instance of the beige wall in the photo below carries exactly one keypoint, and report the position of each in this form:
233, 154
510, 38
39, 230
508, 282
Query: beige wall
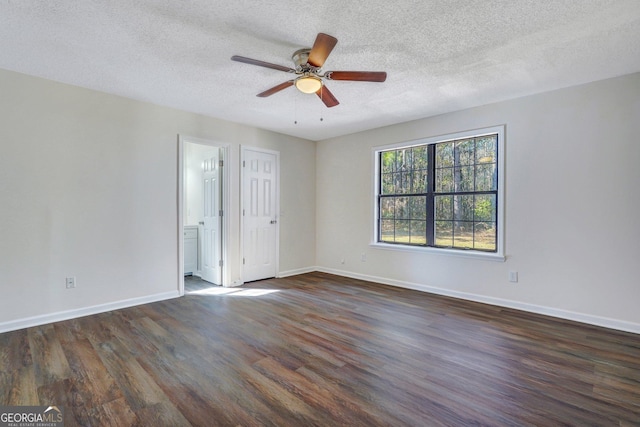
572, 206
88, 185
88, 188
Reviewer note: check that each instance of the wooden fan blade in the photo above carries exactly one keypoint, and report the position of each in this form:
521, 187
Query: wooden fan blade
321, 49
275, 89
359, 76
327, 97
262, 63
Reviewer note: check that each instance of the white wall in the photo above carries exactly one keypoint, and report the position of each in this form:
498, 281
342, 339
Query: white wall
572, 206
194, 155
88, 188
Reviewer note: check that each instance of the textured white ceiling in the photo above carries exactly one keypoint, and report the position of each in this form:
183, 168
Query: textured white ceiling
440, 55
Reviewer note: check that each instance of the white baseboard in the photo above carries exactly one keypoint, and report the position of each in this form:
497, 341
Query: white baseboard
85, 311
605, 322
620, 325
297, 271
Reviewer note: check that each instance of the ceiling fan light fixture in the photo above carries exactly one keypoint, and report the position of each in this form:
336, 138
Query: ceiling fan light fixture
308, 84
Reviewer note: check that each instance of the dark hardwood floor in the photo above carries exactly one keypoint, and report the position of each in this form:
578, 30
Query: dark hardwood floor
322, 350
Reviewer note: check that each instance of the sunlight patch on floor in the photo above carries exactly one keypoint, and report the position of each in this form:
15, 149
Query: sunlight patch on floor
234, 292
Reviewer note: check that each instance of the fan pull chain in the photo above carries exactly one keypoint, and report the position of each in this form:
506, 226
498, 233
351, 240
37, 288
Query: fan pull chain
295, 109
321, 104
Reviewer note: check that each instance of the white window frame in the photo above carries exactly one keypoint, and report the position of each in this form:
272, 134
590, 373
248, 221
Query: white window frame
498, 255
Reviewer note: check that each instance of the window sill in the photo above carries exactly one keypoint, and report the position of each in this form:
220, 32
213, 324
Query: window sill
437, 251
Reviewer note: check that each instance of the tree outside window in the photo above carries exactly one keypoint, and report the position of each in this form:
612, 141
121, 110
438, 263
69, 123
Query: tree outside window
442, 194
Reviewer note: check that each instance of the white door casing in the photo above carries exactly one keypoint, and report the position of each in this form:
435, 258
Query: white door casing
260, 213
211, 246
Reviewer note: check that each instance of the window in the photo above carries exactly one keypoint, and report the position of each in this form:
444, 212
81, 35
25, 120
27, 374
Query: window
441, 193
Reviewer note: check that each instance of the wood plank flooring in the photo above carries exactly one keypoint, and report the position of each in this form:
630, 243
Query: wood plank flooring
323, 350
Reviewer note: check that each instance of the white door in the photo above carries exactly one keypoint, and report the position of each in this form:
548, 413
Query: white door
260, 216
211, 240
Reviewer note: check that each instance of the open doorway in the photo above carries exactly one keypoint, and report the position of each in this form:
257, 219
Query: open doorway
202, 200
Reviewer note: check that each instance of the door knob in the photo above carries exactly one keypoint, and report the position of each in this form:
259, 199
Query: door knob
273, 221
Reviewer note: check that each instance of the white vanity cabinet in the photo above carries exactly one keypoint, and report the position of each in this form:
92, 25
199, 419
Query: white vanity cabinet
190, 249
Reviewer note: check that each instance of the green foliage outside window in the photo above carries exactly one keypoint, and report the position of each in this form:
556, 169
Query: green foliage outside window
457, 210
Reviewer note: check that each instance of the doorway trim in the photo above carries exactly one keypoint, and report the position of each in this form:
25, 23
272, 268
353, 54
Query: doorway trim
226, 191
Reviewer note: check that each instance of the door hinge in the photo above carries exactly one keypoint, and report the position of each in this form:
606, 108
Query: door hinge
242, 212
221, 163
243, 164
243, 261
221, 212
220, 263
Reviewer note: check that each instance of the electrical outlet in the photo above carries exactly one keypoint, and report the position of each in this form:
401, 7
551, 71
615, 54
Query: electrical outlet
513, 276
342, 261
70, 282
363, 257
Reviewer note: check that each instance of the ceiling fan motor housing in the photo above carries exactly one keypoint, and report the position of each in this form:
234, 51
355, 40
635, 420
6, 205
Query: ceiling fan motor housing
301, 57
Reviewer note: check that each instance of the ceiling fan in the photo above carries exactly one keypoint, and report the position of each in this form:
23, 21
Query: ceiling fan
308, 69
